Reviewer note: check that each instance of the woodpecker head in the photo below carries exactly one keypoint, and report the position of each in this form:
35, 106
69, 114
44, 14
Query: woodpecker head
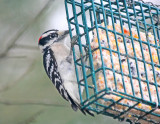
50, 37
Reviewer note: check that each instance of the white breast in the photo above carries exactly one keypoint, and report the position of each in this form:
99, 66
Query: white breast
66, 70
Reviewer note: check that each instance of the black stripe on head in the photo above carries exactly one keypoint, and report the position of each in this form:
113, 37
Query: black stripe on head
43, 41
50, 30
47, 36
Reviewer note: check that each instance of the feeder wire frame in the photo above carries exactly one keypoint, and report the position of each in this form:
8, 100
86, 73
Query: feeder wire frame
78, 12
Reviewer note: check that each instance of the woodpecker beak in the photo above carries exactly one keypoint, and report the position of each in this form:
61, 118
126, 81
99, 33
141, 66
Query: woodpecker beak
62, 34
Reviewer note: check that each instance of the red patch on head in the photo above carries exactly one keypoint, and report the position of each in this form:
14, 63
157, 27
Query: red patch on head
39, 39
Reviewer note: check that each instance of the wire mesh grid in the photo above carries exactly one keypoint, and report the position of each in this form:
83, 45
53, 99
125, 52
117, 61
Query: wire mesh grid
135, 94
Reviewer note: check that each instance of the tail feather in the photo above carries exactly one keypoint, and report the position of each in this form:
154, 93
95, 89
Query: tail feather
75, 106
88, 112
84, 111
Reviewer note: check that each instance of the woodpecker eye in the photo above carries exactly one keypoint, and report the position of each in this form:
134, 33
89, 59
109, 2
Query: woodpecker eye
53, 35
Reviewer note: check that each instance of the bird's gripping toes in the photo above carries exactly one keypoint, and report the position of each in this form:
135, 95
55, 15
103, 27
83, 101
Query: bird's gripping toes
59, 66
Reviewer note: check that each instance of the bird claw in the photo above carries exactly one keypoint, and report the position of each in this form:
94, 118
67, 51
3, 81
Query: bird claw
86, 50
74, 40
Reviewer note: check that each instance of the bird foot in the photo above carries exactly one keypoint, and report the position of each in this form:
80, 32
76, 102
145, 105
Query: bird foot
74, 40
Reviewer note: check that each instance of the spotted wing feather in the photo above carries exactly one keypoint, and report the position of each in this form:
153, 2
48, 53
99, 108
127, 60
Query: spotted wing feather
51, 69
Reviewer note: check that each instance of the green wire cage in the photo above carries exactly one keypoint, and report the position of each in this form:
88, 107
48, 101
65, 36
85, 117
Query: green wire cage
86, 17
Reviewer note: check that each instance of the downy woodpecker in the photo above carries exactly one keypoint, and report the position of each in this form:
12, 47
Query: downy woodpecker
59, 65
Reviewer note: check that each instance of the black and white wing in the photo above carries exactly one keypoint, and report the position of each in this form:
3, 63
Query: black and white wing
51, 68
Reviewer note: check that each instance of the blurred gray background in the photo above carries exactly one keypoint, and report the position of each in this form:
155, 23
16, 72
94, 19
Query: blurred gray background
27, 96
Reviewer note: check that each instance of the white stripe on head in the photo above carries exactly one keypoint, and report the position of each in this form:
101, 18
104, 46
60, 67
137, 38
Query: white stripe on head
49, 32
